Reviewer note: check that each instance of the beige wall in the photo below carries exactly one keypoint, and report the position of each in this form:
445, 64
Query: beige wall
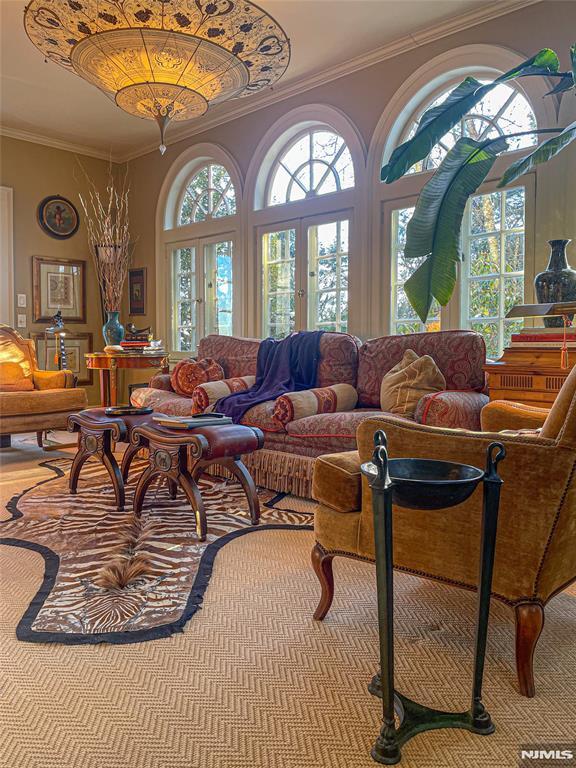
34, 172
363, 96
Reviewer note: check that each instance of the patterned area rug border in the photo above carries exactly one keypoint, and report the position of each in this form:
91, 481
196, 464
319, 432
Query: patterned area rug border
24, 629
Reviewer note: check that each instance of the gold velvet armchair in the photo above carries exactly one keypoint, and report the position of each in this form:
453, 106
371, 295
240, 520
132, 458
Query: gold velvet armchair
536, 545
32, 400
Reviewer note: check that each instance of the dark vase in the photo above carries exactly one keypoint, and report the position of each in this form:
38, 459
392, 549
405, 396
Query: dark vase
557, 283
113, 329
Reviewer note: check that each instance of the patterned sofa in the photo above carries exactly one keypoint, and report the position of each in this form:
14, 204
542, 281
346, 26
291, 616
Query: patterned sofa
287, 460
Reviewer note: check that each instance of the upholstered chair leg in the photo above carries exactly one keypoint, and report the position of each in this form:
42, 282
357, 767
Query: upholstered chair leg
529, 623
39, 439
322, 564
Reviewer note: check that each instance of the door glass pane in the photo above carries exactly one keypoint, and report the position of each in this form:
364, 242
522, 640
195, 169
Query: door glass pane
218, 293
184, 300
278, 282
494, 235
328, 276
404, 318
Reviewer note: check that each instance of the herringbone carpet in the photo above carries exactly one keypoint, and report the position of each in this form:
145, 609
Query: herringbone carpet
253, 682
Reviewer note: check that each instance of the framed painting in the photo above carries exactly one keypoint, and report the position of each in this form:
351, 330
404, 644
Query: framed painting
59, 284
137, 291
58, 217
76, 345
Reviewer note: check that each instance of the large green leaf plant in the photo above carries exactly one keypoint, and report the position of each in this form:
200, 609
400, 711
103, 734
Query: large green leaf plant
433, 232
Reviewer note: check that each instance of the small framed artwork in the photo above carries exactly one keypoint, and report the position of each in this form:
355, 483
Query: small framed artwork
59, 284
58, 217
137, 291
76, 345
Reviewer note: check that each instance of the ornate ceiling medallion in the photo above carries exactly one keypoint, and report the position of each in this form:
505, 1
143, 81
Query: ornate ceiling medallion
162, 60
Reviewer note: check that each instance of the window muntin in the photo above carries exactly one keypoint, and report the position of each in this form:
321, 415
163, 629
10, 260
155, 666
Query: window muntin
503, 110
315, 163
328, 276
494, 255
210, 194
279, 282
404, 318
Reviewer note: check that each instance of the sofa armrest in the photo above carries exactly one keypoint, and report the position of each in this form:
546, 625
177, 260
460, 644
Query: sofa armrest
503, 414
63, 379
161, 381
337, 481
453, 408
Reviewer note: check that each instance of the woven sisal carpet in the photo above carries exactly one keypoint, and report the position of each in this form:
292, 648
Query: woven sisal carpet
253, 682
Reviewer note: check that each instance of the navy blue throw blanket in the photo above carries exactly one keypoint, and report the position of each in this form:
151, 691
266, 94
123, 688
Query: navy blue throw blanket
288, 365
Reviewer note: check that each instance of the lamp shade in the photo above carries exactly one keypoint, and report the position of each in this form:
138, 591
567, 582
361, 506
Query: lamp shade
162, 59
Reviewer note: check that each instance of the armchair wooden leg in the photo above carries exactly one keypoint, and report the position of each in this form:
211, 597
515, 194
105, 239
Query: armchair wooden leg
39, 439
322, 564
529, 623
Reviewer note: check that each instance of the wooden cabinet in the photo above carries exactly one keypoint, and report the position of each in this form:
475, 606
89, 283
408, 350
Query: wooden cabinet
529, 375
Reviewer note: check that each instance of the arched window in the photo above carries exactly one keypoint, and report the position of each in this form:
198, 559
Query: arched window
200, 239
316, 162
494, 242
209, 194
502, 111
306, 176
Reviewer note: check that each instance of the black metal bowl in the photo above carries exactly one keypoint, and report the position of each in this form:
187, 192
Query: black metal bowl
430, 484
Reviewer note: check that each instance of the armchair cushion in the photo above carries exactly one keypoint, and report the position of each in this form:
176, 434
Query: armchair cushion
556, 419
297, 405
12, 378
43, 401
408, 381
53, 379
205, 395
451, 408
337, 481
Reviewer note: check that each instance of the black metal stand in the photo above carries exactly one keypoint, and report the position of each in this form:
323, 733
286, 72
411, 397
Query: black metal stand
415, 718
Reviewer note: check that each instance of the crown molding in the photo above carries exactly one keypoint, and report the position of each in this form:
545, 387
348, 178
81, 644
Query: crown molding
226, 113
48, 141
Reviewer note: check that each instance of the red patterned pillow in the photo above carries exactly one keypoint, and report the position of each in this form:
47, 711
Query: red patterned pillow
188, 374
205, 395
297, 405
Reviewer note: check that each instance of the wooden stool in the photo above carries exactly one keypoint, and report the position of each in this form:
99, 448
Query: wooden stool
97, 433
170, 450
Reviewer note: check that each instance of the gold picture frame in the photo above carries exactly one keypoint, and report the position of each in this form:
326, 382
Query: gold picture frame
59, 284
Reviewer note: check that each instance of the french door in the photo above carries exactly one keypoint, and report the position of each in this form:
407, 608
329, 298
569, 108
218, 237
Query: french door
202, 289
304, 275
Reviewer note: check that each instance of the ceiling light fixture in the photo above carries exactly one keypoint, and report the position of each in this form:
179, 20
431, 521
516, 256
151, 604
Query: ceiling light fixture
162, 60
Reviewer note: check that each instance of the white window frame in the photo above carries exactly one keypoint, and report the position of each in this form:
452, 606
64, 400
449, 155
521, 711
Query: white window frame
187, 183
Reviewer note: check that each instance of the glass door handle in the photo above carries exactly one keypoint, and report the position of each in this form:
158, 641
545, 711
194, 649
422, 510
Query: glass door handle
301, 292
198, 301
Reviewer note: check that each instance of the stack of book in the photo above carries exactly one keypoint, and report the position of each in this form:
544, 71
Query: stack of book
134, 346
544, 338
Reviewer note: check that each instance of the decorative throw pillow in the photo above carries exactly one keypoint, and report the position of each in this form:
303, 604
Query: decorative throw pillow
205, 395
409, 380
189, 373
297, 405
12, 378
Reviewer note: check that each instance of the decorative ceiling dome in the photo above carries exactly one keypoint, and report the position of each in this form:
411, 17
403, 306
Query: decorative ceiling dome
162, 60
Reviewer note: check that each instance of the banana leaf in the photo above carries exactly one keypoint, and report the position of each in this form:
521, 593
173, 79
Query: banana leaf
434, 229
437, 121
541, 154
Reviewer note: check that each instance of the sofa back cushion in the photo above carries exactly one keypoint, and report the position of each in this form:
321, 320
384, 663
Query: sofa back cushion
338, 357
459, 355
236, 356
338, 360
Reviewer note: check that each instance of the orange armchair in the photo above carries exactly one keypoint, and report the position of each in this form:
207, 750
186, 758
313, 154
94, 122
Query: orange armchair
32, 400
536, 545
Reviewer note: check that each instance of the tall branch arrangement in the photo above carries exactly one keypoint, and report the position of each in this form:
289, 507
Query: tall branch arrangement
433, 232
108, 236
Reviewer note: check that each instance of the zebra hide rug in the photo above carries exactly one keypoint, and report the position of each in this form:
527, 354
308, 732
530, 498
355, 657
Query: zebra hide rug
111, 577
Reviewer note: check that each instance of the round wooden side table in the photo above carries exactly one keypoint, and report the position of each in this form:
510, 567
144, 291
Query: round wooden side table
108, 365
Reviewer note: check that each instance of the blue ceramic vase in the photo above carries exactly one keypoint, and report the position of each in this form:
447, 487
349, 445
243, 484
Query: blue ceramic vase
557, 282
113, 329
